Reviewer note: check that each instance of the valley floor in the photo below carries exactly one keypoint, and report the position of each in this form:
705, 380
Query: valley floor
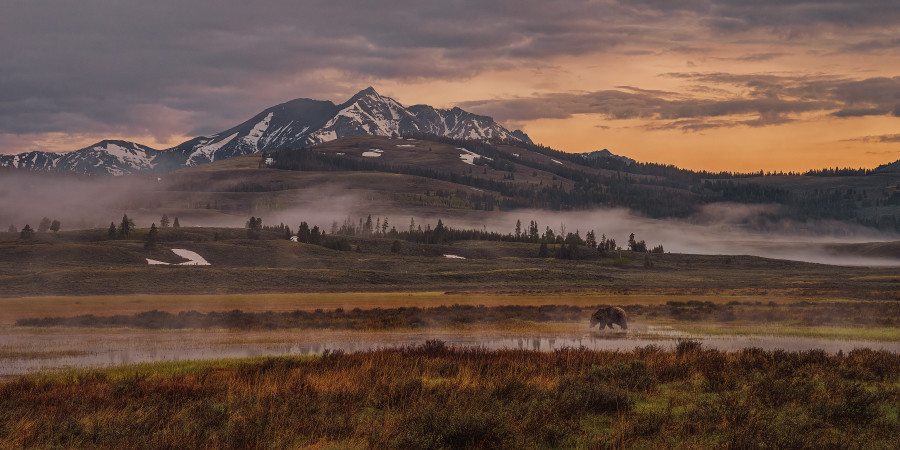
280, 344
52, 333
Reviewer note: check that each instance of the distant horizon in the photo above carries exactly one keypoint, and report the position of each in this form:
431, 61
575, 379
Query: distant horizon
710, 85
169, 147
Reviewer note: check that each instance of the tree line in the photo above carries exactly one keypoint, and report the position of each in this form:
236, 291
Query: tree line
45, 225
567, 244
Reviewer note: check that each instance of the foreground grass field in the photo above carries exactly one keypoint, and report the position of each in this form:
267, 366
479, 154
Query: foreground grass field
432, 396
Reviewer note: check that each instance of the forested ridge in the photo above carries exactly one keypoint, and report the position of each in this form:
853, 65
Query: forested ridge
656, 190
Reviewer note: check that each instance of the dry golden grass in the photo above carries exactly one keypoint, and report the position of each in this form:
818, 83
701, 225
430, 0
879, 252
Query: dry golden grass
14, 308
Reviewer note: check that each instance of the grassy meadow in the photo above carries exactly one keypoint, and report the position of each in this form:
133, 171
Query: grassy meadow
432, 396
87, 263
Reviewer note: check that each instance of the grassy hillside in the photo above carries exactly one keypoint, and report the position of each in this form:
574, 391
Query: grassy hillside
427, 176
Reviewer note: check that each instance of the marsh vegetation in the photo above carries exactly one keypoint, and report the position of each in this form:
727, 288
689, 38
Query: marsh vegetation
435, 396
802, 313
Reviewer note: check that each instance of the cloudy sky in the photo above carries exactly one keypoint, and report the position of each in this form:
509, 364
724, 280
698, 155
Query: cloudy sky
703, 84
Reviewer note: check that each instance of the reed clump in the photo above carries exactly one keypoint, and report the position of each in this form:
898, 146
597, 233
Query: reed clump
436, 396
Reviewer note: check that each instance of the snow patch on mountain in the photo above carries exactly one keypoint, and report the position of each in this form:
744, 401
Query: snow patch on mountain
468, 157
133, 156
205, 151
252, 138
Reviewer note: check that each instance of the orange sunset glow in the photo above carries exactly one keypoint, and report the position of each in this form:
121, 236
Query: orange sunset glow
711, 85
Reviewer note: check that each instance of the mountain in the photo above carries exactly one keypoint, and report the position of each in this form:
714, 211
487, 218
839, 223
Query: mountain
107, 157
297, 123
606, 154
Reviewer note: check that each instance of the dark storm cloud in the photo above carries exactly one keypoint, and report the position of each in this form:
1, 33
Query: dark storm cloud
770, 99
166, 67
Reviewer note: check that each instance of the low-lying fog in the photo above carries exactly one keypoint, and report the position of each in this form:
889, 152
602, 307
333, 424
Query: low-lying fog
720, 229
727, 229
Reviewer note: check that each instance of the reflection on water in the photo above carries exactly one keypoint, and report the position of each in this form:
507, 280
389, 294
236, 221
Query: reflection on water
602, 342
58, 350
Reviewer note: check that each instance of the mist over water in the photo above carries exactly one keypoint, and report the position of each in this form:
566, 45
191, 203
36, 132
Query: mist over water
124, 346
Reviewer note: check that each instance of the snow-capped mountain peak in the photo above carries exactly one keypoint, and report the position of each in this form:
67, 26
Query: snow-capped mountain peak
296, 123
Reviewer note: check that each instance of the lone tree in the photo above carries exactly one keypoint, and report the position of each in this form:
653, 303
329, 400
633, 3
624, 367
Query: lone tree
112, 230
44, 225
175, 224
164, 221
254, 227
27, 232
12, 229
54, 227
151, 238
126, 226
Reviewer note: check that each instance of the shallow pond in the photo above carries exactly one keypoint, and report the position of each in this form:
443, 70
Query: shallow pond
33, 350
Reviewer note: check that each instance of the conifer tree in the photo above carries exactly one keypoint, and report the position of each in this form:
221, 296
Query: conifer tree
151, 238
303, 233
27, 232
367, 227
254, 227
126, 226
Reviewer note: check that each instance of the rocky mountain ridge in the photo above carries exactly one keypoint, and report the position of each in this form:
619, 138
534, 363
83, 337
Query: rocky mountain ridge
297, 123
